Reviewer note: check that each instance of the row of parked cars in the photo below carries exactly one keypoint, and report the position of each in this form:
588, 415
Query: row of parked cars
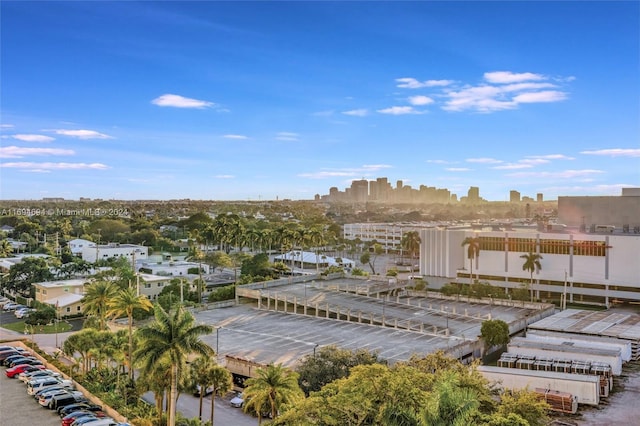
20, 311
51, 390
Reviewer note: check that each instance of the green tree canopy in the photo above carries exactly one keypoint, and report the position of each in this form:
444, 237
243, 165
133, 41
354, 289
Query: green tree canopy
330, 363
494, 332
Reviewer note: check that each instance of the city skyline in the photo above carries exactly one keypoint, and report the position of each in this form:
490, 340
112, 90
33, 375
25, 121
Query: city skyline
284, 100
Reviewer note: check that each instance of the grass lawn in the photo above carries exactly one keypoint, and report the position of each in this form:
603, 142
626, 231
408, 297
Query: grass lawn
38, 329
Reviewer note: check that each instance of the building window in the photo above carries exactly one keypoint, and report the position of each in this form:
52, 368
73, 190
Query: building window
147, 285
68, 309
44, 291
78, 308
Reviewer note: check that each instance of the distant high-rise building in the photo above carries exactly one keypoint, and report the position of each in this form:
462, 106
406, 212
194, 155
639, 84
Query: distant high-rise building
360, 190
539, 197
473, 196
514, 196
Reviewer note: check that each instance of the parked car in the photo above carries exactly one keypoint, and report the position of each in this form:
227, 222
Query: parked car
9, 306
105, 421
4, 301
88, 420
9, 353
208, 391
24, 360
74, 415
85, 406
21, 368
237, 401
8, 360
26, 377
35, 385
45, 397
23, 312
60, 400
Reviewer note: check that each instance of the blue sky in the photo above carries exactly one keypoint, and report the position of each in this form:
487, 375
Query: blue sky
266, 100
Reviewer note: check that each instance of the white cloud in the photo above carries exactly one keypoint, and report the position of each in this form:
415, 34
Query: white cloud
502, 77
82, 134
552, 157
6, 126
224, 176
615, 152
458, 169
412, 83
483, 160
55, 166
513, 166
235, 137
399, 110
566, 174
534, 161
19, 152
287, 136
438, 161
177, 101
33, 138
420, 100
543, 96
517, 87
357, 112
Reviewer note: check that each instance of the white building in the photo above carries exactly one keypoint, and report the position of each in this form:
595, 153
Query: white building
152, 285
78, 245
388, 235
176, 268
597, 268
132, 252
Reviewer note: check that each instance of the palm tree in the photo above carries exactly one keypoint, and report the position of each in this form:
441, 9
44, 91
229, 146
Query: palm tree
96, 298
411, 244
6, 249
173, 337
124, 303
531, 264
450, 404
273, 387
473, 252
221, 381
199, 369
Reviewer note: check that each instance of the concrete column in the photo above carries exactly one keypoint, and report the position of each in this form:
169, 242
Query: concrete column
466, 312
327, 312
268, 302
348, 314
453, 309
409, 301
316, 309
435, 329
395, 323
421, 328
359, 317
305, 307
371, 319
259, 302
419, 303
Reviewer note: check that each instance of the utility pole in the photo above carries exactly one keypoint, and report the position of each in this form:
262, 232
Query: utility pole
564, 293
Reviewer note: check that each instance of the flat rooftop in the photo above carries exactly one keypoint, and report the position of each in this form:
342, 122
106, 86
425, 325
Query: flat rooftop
277, 337
268, 336
622, 325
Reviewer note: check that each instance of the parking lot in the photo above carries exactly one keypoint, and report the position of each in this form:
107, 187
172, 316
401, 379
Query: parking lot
19, 409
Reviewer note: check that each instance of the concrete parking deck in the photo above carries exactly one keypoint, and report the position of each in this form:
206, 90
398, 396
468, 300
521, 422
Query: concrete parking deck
290, 319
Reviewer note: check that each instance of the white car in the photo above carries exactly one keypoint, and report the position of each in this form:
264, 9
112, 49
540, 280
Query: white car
237, 401
23, 312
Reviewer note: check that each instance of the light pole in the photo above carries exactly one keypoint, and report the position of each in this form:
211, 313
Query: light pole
314, 349
217, 341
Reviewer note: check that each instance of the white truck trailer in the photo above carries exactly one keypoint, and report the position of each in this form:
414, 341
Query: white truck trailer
585, 388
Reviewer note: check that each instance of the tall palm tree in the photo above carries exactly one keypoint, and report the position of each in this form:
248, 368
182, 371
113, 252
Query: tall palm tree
473, 252
124, 303
450, 404
199, 368
273, 387
221, 381
96, 300
173, 337
411, 244
531, 264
